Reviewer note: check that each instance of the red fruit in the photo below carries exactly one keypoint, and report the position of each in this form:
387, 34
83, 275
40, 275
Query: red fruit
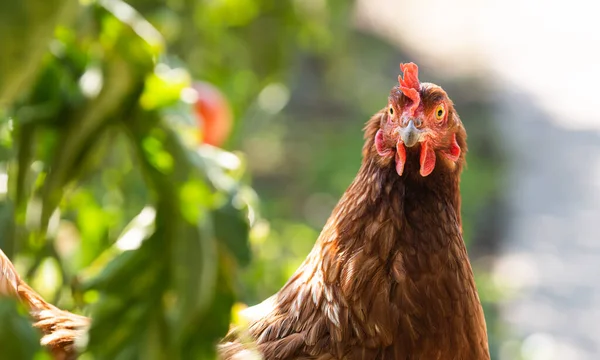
213, 114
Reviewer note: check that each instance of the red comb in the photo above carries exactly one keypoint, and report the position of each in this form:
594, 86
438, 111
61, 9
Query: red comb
409, 85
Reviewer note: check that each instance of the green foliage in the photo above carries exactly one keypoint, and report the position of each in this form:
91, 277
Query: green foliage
17, 338
97, 140
32, 22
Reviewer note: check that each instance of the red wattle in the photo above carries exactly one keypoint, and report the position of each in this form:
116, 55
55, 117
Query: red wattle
400, 157
427, 159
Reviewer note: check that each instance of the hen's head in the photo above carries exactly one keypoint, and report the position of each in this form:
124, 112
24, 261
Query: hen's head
419, 118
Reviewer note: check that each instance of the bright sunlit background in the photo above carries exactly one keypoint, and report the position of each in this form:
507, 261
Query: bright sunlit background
106, 178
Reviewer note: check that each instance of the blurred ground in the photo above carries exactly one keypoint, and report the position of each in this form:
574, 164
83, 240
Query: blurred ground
540, 61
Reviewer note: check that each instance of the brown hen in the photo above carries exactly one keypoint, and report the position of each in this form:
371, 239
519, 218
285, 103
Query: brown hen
389, 276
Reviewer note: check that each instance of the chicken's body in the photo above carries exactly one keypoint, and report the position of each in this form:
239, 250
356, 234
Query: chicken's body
389, 276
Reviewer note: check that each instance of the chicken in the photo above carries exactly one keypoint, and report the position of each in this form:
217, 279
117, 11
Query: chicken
60, 328
389, 276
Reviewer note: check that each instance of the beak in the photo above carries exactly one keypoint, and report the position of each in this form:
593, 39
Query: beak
409, 134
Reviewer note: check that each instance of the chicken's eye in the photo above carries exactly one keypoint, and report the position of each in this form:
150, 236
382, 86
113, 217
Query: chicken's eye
391, 110
440, 112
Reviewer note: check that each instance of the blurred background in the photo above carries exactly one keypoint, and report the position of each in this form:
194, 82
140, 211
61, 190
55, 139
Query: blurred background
164, 163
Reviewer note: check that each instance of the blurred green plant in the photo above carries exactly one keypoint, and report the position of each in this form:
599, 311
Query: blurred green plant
98, 137
32, 23
18, 339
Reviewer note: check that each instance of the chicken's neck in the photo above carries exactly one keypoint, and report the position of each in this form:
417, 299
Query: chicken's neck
410, 200
390, 272
385, 217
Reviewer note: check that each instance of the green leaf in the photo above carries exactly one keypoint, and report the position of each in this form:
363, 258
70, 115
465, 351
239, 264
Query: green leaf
163, 87
232, 229
131, 288
126, 67
26, 28
18, 340
194, 268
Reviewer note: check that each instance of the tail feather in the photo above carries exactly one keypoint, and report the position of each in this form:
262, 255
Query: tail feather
61, 329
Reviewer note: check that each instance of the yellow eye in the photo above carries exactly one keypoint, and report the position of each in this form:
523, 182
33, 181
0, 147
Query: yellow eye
440, 112
391, 110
